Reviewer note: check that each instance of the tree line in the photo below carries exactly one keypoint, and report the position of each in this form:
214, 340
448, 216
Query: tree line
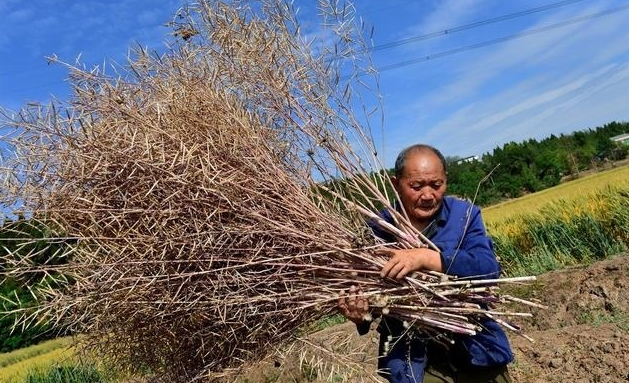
515, 169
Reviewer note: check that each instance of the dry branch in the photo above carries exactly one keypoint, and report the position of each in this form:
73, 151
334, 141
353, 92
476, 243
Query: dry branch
187, 194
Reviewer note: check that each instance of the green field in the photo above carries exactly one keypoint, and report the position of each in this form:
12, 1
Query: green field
577, 222
15, 365
578, 188
53, 361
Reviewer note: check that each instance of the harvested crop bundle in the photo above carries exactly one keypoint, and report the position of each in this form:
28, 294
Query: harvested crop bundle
211, 201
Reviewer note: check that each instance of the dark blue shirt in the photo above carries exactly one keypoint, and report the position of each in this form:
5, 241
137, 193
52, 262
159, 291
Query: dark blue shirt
466, 251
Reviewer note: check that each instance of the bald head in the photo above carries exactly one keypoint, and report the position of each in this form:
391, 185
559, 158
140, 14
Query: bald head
400, 162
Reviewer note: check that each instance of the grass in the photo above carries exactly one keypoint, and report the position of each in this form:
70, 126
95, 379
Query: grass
328, 321
578, 228
494, 215
22, 354
53, 361
84, 373
18, 372
597, 318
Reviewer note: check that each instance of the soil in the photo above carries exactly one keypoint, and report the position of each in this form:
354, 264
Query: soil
582, 337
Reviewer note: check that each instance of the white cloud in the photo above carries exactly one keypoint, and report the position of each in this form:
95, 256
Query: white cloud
527, 87
593, 98
545, 98
20, 15
487, 64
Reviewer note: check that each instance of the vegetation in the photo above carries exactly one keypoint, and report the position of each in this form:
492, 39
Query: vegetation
53, 361
75, 374
495, 215
185, 273
564, 232
25, 353
201, 250
18, 371
25, 240
531, 166
551, 229
79, 373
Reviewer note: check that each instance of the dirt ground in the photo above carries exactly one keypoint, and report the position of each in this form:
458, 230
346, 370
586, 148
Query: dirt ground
582, 337
584, 334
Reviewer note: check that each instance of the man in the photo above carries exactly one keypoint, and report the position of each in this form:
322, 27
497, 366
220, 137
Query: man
456, 228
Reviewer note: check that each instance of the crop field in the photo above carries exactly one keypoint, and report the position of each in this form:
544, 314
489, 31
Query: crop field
578, 222
575, 189
15, 365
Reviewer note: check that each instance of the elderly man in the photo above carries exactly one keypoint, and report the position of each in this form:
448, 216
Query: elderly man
456, 228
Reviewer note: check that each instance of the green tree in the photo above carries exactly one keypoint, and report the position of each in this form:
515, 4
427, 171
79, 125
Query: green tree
25, 240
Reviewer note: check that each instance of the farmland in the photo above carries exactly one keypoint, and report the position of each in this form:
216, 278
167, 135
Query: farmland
15, 365
496, 214
577, 222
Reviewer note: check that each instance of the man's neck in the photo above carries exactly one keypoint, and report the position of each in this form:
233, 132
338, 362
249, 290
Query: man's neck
423, 224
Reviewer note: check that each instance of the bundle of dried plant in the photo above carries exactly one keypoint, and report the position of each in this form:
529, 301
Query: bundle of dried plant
207, 203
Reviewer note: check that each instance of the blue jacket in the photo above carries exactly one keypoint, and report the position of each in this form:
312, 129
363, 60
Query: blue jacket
466, 251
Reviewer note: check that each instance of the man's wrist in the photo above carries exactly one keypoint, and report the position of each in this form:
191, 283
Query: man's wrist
366, 318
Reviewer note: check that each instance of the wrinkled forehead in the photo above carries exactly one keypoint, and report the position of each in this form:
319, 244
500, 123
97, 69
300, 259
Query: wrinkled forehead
423, 163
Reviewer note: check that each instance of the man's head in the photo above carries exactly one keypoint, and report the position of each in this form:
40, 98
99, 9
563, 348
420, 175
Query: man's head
420, 180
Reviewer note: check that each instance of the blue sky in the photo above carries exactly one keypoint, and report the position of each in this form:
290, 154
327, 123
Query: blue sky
559, 80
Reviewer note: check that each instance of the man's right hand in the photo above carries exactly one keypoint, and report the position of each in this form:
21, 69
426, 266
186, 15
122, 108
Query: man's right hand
354, 306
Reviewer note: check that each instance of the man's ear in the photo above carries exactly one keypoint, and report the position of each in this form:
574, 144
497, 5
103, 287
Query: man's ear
396, 182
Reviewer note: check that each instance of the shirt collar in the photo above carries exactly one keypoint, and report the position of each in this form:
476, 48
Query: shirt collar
439, 221
440, 218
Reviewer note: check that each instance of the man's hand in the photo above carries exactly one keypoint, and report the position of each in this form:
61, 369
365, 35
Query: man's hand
404, 261
354, 306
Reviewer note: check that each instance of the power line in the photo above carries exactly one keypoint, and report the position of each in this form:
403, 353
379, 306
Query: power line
458, 29
403, 41
502, 39
475, 24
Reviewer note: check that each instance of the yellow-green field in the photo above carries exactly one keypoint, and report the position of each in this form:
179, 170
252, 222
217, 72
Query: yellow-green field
577, 222
15, 365
578, 188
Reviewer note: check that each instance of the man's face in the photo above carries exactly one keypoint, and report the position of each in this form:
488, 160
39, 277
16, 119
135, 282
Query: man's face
421, 186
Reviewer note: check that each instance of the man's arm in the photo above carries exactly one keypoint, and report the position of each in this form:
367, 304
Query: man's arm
474, 256
404, 261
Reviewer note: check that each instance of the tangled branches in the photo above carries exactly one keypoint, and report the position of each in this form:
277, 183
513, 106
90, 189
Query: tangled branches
195, 199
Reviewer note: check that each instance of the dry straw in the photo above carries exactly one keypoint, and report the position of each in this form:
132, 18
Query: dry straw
192, 198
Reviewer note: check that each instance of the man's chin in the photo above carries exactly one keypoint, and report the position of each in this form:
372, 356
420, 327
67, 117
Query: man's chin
425, 213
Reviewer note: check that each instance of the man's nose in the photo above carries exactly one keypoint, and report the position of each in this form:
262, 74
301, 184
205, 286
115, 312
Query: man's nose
425, 194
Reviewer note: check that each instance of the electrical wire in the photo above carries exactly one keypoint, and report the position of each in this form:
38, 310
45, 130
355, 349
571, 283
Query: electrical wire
502, 39
475, 24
